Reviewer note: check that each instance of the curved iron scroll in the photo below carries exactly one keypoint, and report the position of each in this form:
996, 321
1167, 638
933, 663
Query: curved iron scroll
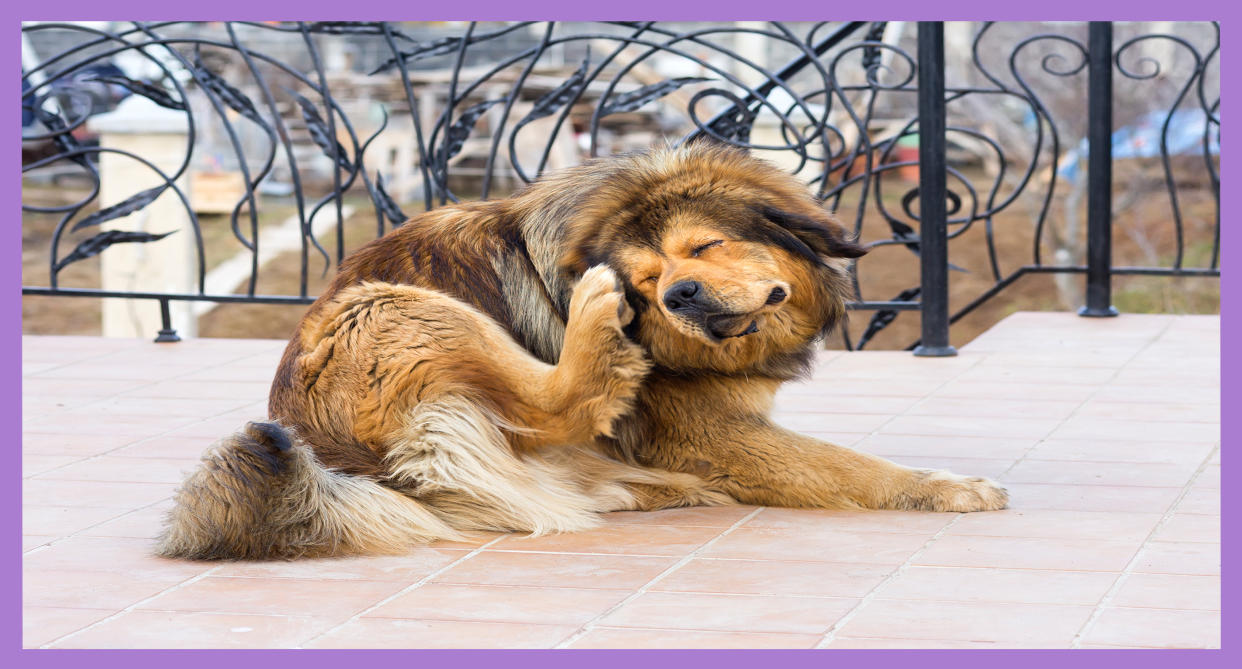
491, 106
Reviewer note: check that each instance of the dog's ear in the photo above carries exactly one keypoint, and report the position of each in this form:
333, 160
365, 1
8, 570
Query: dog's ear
813, 236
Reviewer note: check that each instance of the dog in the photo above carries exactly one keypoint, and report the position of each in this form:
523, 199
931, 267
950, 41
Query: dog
610, 338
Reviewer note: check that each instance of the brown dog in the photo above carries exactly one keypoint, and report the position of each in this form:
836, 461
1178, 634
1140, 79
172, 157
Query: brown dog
610, 338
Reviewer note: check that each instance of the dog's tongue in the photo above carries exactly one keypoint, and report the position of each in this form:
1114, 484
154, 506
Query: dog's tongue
724, 327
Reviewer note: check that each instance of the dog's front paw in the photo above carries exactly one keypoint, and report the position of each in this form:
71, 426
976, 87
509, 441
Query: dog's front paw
598, 297
946, 491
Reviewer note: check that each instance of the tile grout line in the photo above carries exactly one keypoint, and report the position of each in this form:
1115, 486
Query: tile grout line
409, 588
172, 588
830, 635
78, 532
1128, 570
1116, 370
592, 623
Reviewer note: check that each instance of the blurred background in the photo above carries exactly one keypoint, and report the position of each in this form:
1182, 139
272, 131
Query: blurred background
238, 159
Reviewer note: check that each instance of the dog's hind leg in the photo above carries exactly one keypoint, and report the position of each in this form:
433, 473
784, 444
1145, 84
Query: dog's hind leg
262, 494
453, 455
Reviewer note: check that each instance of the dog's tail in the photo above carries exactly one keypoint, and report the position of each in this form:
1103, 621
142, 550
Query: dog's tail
262, 494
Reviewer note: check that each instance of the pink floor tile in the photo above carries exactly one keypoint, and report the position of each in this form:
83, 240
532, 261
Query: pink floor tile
1169, 591
1184, 527
1125, 430
1028, 553
1100, 473
821, 546
91, 589
1137, 450
1007, 625
743, 613
1025, 406
773, 577
1158, 628
418, 563
876, 643
557, 570
695, 516
41, 443
1022, 586
1172, 412
63, 520
1203, 501
109, 468
284, 596
603, 637
950, 426
32, 541
41, 624
1164, 557
390, 633
178, 629
812, 520
1132, 407
1055, 524
616, 539
1138, 499
38, 464
500, 603
145, 523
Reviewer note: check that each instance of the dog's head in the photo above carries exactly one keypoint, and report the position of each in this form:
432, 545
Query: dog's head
729, 263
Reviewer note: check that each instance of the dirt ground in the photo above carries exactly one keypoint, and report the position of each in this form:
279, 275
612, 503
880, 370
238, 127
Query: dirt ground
1144, 235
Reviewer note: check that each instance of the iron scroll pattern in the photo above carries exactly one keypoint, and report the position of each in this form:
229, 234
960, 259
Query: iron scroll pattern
839, 113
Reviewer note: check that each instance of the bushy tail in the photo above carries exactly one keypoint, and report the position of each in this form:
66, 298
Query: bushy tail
262, 494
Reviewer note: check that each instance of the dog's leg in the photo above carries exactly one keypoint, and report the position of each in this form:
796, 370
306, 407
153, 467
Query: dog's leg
760, 463
600, 369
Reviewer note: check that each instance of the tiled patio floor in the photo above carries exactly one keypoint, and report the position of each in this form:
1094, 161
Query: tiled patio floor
1106, 433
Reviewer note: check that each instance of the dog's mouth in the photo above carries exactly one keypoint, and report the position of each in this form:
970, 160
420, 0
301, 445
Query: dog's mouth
730, 326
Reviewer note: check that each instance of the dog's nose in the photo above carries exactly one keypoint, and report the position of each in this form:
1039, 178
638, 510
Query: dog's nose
684, 296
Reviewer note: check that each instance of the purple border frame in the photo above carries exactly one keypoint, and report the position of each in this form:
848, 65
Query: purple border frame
1075, 10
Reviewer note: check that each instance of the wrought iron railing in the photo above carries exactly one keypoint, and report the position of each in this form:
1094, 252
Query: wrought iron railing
837, 104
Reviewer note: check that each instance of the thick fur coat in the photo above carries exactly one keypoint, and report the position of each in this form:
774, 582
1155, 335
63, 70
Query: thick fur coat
610, 338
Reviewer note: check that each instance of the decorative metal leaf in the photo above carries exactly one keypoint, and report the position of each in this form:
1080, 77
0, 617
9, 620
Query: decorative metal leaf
632, 100
156, 94
558, 97
123, 208
455, 137
884, 317
62, 137
439, 47
95, 245
320, 133
385, 203
235, 99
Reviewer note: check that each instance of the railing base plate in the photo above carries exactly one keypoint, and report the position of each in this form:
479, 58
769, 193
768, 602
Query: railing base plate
167, 337
1088, 312
935, 351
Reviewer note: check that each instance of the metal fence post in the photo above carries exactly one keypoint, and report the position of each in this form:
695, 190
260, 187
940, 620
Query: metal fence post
1099, 170
933, 212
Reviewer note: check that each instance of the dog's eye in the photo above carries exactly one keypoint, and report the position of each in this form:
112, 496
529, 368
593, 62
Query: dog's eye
703, 247
653, 277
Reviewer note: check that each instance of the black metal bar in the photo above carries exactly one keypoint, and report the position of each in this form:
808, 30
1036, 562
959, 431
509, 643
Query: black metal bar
1099, 170
784, 74
167, 333
933, 209
185, 297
